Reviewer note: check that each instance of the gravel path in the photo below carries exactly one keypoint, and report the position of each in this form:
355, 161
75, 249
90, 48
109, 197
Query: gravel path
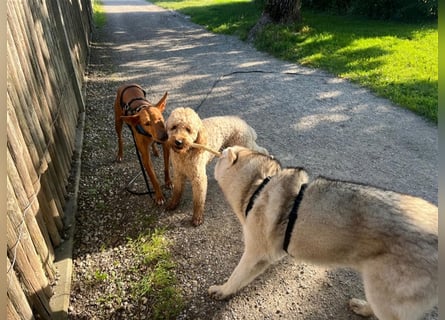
304, 117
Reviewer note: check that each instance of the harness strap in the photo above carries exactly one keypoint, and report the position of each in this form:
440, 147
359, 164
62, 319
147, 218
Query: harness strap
293, 217
256, 193
121, 102
128, 110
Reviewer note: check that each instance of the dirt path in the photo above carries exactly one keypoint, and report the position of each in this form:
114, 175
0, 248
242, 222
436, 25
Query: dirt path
304, 117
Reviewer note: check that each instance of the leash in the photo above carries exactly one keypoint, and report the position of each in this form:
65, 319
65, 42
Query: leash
149, 191
220, 78
126, 107
293, 217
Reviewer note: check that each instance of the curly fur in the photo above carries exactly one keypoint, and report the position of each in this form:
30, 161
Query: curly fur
185, 127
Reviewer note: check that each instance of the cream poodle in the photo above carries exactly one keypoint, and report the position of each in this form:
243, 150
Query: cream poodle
185, 127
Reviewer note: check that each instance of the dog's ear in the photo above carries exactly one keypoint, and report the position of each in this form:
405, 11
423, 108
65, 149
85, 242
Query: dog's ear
133, 120
230, 154
162, 103
202, 136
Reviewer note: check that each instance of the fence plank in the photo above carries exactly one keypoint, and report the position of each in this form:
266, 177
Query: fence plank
34, 222
27, 262
18, 307
20, 170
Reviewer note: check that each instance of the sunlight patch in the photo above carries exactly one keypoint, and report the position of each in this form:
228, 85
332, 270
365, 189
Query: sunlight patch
312, 121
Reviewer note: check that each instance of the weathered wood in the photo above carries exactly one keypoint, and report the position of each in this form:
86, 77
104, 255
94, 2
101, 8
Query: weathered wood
38, 85
34, 222
21, 173
27, 262
47, 50
18, 307
45, 137
11, 313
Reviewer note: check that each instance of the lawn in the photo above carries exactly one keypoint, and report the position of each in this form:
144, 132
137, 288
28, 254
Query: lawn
398, 61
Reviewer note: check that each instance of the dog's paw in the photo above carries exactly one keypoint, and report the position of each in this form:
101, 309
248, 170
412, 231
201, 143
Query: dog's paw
197, 221
217, 292
169, 185
160, 200
360, 307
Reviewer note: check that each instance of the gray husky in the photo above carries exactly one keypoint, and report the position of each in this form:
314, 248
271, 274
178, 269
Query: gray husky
391, 238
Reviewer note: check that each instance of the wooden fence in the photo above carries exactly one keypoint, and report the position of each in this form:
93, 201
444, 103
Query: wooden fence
47, 51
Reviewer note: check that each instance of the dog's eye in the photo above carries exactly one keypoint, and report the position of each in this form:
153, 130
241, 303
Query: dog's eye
147, 124
174, 127
188, 129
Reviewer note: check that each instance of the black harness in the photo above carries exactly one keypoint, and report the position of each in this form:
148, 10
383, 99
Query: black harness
293, 215
128, 110
256, 194
126, 106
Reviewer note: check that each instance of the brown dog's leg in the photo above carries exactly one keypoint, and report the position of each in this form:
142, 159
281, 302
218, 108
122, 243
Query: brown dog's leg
118, 122
143, 148
166, 153
154, 148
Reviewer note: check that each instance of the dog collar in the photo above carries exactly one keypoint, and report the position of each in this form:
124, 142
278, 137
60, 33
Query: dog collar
256, 193
293, 216
141, 130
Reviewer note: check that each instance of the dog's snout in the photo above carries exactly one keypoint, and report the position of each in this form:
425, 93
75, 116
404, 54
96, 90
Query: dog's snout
179, 143
164, 136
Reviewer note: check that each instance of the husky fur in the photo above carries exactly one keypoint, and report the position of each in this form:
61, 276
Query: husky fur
390, 238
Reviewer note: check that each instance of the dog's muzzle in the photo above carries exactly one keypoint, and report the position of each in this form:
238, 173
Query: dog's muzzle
163, 137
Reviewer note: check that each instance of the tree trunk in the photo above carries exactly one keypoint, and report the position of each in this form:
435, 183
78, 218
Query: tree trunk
283, 11
277, 11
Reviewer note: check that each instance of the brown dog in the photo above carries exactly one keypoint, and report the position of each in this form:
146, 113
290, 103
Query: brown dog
147, 124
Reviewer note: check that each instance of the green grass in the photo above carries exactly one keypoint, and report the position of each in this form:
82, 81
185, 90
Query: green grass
99, 16
150, 281
397, 61
158, 285
220, 16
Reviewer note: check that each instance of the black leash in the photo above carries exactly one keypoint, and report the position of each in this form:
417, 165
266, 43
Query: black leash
220, 78
126, 107
149, 192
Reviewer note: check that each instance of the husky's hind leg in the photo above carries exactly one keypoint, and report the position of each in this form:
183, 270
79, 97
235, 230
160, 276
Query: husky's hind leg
397, 292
